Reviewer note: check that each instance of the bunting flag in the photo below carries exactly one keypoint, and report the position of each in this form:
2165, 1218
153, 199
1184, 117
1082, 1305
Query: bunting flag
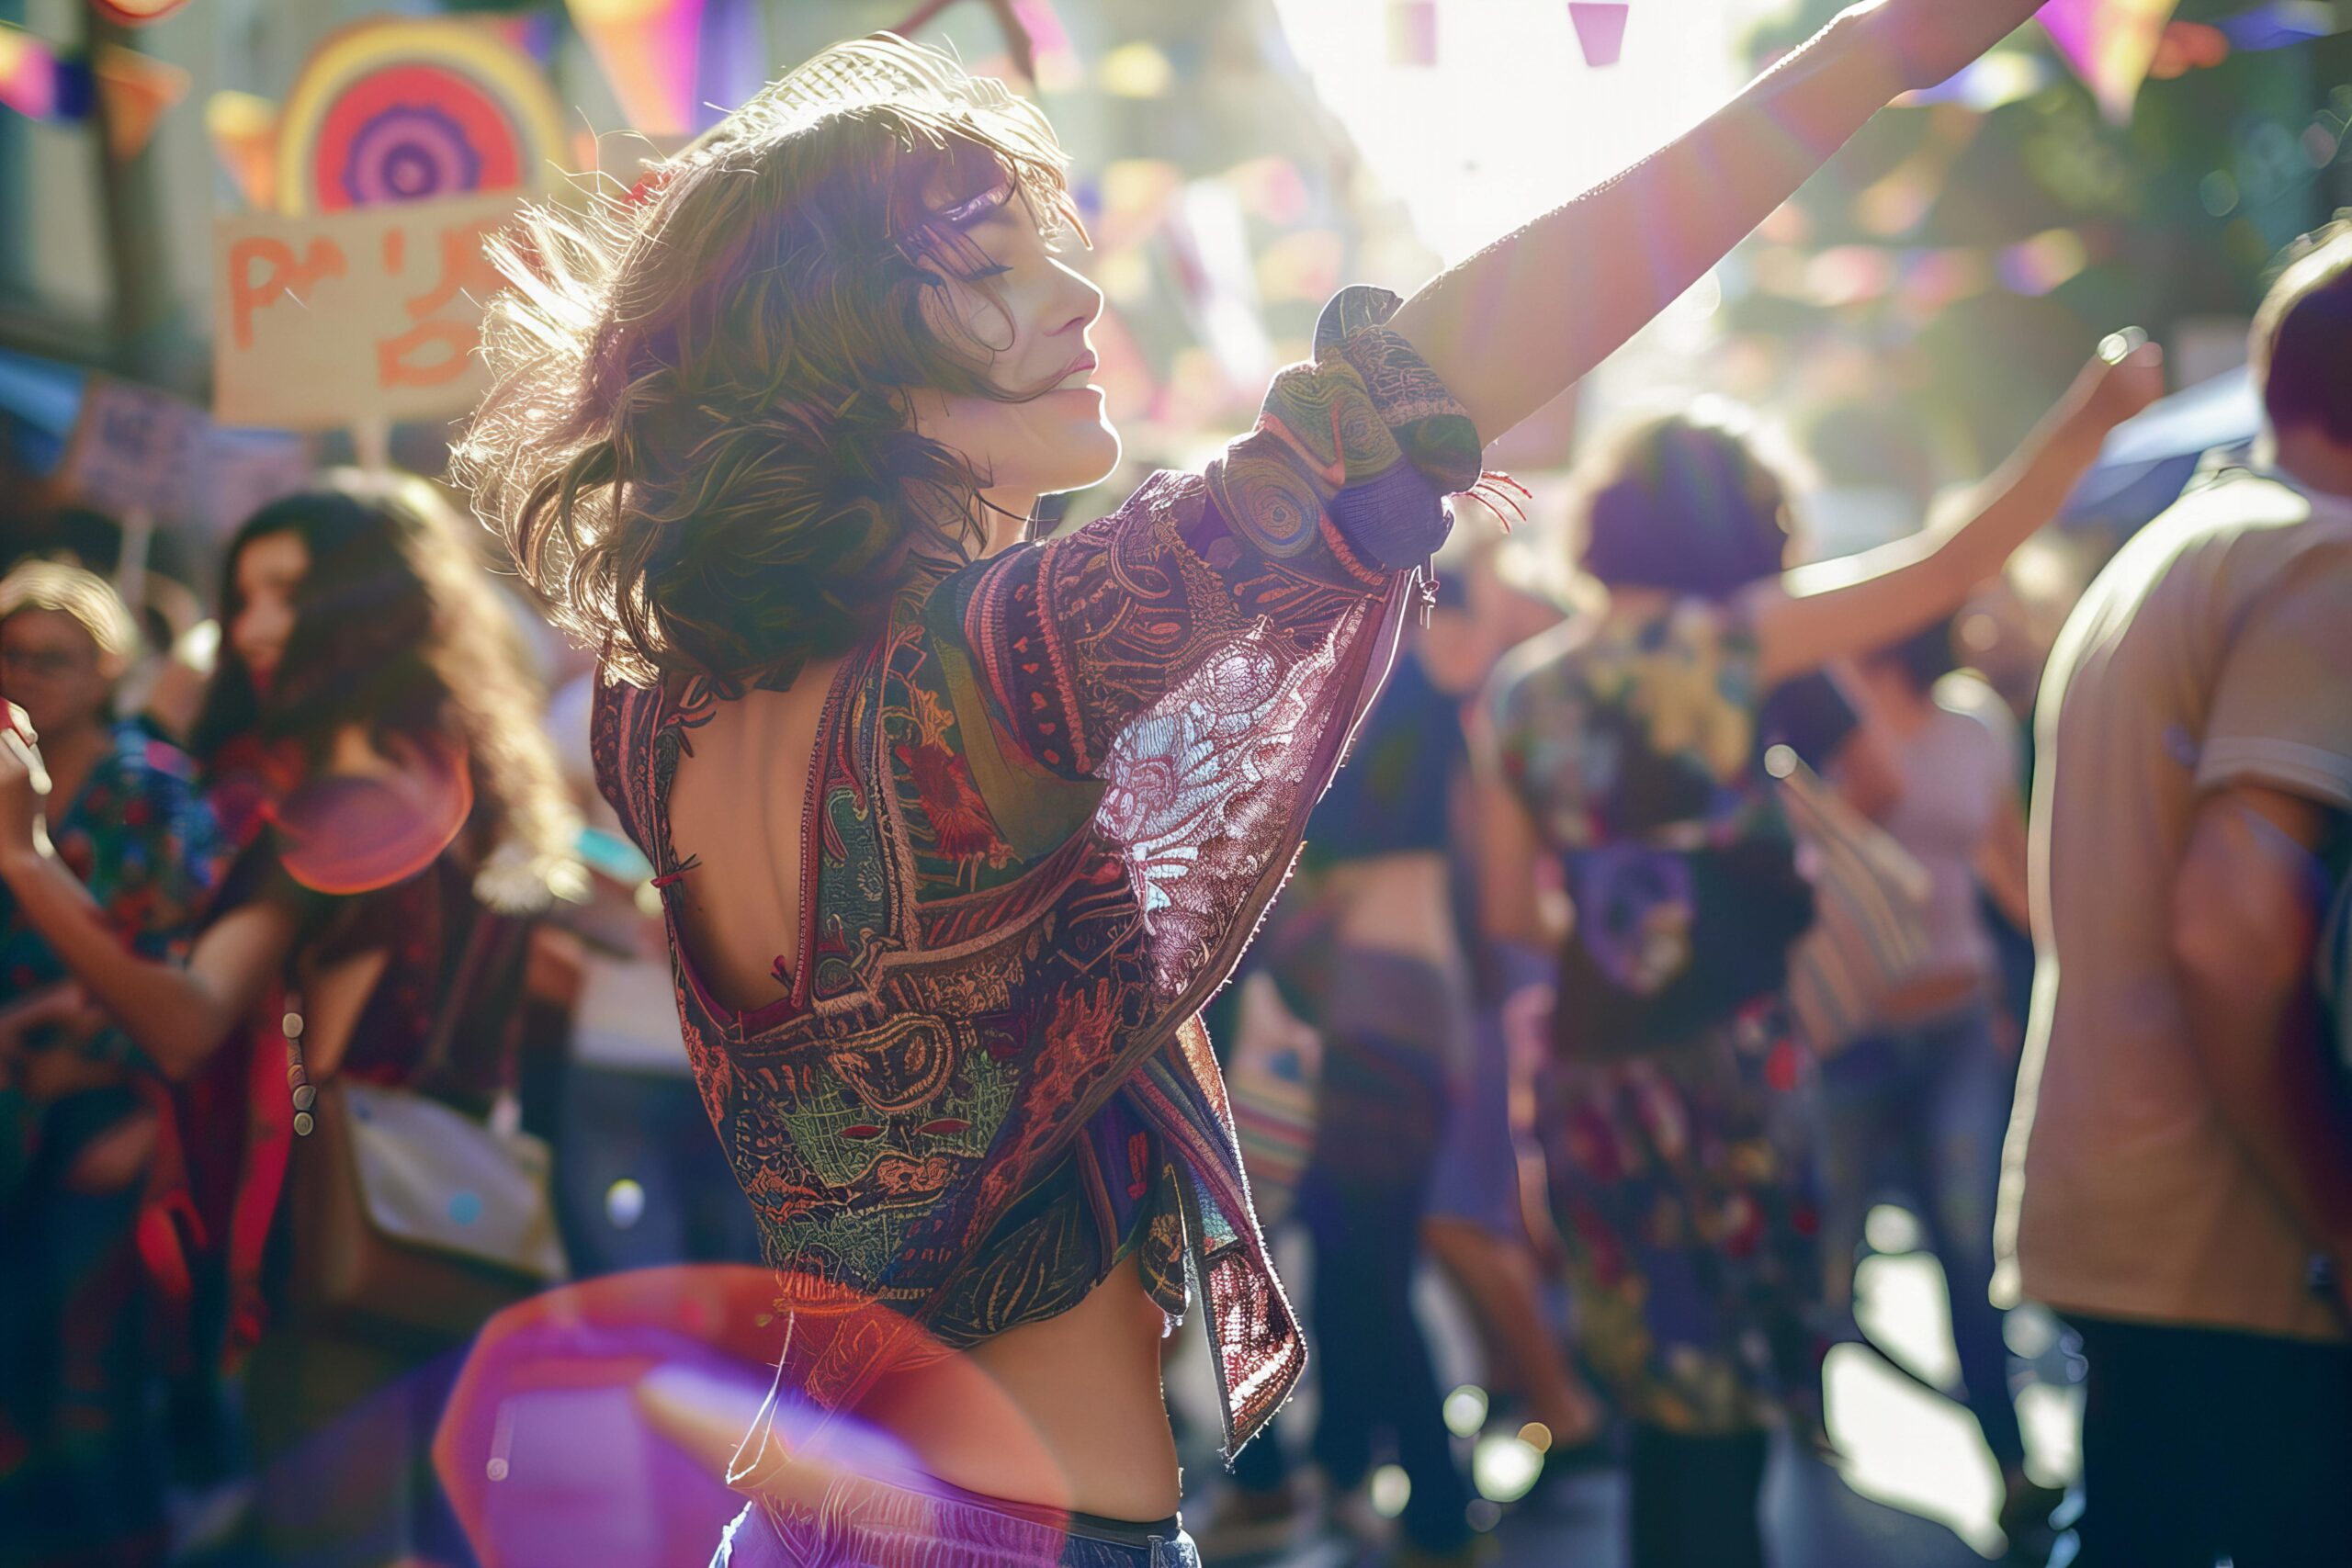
1926, 279
646, 49
1057, 69
245, 138
136, 92
2112, 44
37, 84
1412, 32
1600, 30
2281, 24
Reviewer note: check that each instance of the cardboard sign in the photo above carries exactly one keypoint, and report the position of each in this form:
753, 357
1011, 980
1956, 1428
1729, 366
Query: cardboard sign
133, 449
367, 313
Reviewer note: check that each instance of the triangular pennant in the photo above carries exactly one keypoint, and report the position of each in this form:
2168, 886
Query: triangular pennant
1412, 32
1600, 30
28, 74
2111, 44
245, 138
137, 91
646, 50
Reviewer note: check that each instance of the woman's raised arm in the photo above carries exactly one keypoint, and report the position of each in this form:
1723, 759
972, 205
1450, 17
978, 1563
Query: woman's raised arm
178, 1016
1837, 609
1515, 325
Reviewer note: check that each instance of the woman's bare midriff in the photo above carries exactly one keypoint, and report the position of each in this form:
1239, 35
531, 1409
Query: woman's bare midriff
1071, 1413
1067, 1412
1395, 903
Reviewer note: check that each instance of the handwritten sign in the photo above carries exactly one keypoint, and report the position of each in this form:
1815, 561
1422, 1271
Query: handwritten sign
133, 449
372, 312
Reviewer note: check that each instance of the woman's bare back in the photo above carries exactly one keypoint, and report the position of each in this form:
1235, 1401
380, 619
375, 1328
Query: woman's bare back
738, 808
1083, 1422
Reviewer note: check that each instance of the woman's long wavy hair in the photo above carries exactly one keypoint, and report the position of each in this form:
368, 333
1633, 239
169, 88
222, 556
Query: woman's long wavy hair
397, 628
695, 443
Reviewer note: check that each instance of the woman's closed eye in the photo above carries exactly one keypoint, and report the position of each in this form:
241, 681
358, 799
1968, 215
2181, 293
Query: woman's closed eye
975, 209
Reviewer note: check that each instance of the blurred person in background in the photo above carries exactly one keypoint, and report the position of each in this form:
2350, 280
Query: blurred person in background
1365, 948
1477, 1227
2180, 1154
1923, 1098
1628, 749
82, 1469
365, 663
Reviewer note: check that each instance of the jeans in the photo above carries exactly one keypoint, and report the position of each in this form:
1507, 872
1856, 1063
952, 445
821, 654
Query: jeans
1374, 1368
1926, 1107
2201, 1443
871, 1524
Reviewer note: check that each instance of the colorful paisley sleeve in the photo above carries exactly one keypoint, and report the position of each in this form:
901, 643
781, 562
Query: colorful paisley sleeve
1338, 489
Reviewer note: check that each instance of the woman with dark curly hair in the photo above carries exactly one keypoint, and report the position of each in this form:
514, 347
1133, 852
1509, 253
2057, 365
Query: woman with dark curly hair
372, 739
958, 833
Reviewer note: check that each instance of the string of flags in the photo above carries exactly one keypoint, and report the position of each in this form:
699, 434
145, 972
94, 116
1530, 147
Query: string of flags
2117, 46
1925, 279
1598, 26
133, 90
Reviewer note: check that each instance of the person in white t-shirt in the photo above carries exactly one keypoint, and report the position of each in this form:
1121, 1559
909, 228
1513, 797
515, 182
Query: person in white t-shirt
2180, 1155
1921, 1101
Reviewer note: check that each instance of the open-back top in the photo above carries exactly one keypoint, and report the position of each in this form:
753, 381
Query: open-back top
1049, 806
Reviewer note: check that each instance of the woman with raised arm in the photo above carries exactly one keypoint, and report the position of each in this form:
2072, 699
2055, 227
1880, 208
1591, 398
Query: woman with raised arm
370, 740
957, 831
1630, 751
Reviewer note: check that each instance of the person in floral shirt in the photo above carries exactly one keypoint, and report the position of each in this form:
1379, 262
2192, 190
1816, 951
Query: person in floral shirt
75, 1137
1629, 749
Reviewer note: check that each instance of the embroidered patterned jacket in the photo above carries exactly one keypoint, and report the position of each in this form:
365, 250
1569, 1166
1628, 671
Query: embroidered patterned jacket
1048, 807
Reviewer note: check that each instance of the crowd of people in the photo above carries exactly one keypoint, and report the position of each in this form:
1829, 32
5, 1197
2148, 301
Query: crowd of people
376, 963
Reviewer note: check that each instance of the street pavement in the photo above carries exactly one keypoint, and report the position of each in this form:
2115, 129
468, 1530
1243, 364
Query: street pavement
1912, 1487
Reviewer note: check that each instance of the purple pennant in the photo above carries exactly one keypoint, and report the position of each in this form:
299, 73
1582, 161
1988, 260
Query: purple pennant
1600, 30
1412, 32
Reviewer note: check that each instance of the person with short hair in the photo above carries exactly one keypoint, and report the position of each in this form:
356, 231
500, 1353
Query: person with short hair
2179, 1156
77, 1373
1628, 750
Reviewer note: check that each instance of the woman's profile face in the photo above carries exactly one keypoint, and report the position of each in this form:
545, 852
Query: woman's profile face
269, 570
1031, 313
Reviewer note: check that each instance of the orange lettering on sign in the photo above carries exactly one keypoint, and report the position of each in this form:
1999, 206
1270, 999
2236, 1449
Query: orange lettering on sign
463, 268
281, 274
409, 360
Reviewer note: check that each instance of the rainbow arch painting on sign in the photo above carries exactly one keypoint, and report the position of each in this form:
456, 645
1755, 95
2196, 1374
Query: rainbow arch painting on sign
397, 109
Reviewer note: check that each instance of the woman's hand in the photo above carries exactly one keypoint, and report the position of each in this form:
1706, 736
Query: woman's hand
24, 790
2123, 378
1925, 42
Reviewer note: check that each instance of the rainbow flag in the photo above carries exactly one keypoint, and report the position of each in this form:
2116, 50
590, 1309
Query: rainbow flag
2111, 44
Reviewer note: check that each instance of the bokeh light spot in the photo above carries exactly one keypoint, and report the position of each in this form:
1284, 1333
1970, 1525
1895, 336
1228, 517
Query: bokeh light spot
1391, 1490
1505, 1469
1891, 1232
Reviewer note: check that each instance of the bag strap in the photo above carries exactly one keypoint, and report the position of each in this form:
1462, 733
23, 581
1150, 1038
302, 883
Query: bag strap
458, 993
